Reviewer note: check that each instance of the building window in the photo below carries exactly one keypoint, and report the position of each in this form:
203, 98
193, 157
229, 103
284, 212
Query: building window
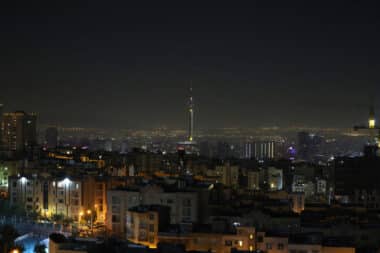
269, 246
187, 202
228, 243
115, 218
151, 228
115, 200
260, 238
116, 209
186, 212
280, 246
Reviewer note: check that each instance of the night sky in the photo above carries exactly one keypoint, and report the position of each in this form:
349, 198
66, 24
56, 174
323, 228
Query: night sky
108, 64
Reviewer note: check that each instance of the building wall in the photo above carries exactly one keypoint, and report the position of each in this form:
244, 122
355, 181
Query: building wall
338, 250
229, 175
253, 180
275, 179
142, 228
183, 205
243, 240
304, 248
19, 131
94, 197
118, 203
46, 196
272, 244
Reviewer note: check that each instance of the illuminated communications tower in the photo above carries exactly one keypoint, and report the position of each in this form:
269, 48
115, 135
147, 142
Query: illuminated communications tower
191, 116
374, 143
371, 120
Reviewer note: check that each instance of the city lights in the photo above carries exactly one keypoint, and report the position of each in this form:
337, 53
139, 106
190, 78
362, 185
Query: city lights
225, 128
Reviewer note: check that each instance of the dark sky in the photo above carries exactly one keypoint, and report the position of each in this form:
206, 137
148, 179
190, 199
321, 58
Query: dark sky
110, 64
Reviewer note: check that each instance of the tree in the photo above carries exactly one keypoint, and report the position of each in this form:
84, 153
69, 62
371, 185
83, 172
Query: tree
40, 248
8, 234
57, 218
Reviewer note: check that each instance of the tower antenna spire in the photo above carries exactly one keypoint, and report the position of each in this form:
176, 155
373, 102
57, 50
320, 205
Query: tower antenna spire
191, 114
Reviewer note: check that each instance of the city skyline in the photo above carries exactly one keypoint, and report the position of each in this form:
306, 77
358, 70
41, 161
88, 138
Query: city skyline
250, 66
154, 128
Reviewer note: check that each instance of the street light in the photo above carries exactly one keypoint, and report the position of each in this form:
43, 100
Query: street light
80, 216
15, 251
89, 212
23, 180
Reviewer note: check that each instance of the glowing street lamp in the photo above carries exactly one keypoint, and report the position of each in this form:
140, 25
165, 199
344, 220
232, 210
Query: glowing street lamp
23, 180
89, 212
66, 182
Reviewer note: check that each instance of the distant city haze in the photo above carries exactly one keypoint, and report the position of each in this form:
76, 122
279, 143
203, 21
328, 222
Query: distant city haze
131, 67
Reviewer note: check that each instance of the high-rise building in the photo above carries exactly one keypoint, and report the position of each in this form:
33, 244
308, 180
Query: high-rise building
259, 150
247, 152
19, 131
223, 150
308, 145
263, 149
124, 147
205, 149
51, 137
229, 175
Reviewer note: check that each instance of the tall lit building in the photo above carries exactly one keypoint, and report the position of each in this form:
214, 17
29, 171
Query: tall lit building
51, 137
263, 149
259, 150
19, 131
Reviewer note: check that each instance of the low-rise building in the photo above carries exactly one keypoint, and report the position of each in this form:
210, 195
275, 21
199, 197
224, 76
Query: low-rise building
242, 239
144, 223
183, 205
